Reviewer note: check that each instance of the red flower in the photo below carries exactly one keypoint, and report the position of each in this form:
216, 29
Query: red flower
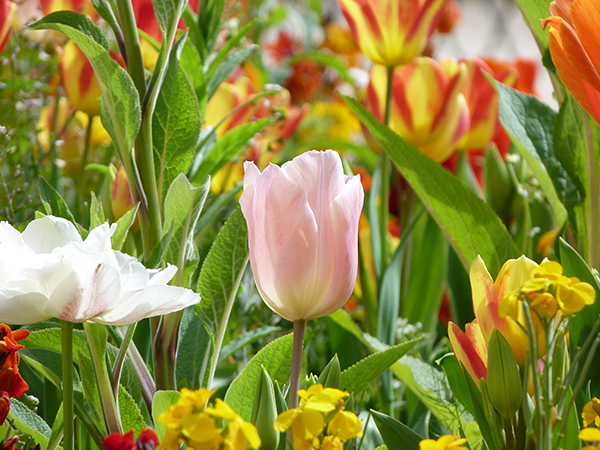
147, 440
4, 408
10, 379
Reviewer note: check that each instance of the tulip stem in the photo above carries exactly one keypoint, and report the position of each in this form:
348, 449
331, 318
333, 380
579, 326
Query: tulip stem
296, 368
67, 369
296, 362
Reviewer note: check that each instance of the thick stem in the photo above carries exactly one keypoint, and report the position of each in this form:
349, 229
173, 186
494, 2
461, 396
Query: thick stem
67, 368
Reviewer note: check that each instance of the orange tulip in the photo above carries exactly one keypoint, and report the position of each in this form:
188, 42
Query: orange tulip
120, 198
428, 109
7, 11
573, 34
392, 32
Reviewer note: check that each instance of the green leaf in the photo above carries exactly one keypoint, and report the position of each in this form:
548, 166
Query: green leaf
469, 224
120, 105
75, 21
175, 126
530, 124
131, 416
160, 403
89, 384
358, 376
457, 381
426, 287
124, 223
581, 323
245, 339
396, 435
225, 68
105, 8
57, 204
221, 273
183, 205
96, 212
276, 357
534, 11
193, 354
226, 149
479, 413
389, 297
165, 12
27, 421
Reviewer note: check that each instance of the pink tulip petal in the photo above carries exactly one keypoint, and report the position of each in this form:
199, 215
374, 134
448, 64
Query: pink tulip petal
282, 234
345, 213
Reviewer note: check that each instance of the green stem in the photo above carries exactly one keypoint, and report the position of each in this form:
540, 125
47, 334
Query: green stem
532, 359
296, 369
118, 367
594, 195
67, 369
384, 190
133, 49
108, 400
165, 351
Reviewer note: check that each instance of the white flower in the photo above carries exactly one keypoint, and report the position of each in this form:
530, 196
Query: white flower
49, 271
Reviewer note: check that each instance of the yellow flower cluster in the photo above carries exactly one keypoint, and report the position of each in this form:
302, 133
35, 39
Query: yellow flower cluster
192, 422
320, 421
548, 291
591, 416
449, 442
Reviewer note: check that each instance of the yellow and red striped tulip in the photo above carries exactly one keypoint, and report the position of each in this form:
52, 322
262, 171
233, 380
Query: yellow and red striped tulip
7, 11
392, 32
573, 33
428, 109
81, 6
228, 96
470, 349
482, 101
79, 80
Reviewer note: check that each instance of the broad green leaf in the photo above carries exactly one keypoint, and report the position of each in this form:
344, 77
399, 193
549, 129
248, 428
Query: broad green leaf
175, 126
396, 435
226, 149
190, 61
193, 354
226, 67
221, 273
89, 383
120, 105
27, 421
276, 357
469, 224
160, 403
183, 205
457, 381
245, 339
581, 323
131, 416
57, 204
358, 376
166, 12
389, 297
75, 21
124, 223
530, 124
426, 287
534, 11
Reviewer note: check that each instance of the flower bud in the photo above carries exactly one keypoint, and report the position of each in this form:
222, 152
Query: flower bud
330, 377
264, 412
120, 198
503, 379
308, 381
279, 398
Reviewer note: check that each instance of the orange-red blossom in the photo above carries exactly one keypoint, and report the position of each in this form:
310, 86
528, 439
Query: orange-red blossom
573, 33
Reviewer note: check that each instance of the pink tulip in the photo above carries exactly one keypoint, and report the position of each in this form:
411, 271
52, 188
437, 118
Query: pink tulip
303, 233
7, 11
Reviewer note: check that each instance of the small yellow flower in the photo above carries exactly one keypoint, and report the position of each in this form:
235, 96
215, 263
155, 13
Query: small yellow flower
590, 435
544, 304
444, 443
591, 412
572, 298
